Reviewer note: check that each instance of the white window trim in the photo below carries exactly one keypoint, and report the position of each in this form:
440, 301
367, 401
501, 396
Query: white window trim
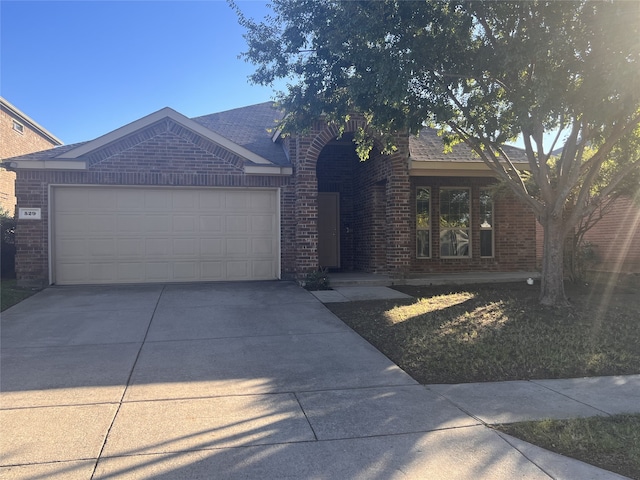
429, 226
469, 228
492, 229
18, 127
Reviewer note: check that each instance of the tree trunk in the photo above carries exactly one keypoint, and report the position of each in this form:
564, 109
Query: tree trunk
552, 287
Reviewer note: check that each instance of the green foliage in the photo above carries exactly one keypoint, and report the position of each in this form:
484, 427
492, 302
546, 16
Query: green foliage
580, 259
317, 280
484, 73
7, 244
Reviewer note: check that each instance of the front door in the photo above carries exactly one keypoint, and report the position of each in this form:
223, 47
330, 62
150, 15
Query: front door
329, 229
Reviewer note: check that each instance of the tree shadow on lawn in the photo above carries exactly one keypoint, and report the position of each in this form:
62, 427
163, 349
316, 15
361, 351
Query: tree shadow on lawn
476, 333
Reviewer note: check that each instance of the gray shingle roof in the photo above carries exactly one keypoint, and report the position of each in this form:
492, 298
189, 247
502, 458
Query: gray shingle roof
251, 127
429, 147
48, 154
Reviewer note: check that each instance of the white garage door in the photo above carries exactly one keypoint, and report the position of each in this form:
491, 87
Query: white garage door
145, 234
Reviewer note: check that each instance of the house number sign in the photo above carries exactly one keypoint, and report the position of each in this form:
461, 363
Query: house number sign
29, 214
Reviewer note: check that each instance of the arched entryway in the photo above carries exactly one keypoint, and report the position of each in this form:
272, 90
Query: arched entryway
350, 215
351, 208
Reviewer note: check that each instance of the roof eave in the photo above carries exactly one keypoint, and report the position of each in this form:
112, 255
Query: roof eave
268, 170
420, 168
32, 123
53, 164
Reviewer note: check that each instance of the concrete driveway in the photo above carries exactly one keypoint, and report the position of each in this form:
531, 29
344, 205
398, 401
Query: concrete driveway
231, 381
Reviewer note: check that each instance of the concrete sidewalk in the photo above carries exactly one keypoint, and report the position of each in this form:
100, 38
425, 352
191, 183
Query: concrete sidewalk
251, 380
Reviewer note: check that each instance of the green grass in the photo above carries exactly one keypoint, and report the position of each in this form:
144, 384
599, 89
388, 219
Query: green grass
612, 443
500, 332
10, 293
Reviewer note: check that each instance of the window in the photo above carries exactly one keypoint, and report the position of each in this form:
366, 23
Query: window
455, 222
18, 127
423, 222
486, 224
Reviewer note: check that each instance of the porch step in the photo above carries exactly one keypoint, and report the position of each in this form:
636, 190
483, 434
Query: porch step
362, 279
350, 279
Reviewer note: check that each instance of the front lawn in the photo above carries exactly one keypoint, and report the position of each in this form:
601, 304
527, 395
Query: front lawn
483, 333
498, 332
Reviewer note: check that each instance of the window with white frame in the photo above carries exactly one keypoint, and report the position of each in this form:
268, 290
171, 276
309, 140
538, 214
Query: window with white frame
486, 224
455, 222
423, 222
18, 127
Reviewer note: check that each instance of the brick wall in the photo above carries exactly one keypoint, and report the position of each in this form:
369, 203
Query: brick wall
166, 158
617, 238
13, 144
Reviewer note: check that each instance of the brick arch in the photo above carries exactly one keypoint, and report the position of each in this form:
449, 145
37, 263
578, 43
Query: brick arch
329, 131
395, 243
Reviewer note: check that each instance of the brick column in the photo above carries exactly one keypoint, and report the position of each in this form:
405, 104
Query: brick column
399, 211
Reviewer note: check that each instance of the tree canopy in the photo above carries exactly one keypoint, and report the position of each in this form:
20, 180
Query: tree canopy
484, 73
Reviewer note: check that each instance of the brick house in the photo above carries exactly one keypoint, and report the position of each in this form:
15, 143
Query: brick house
19, 135
616, 238
227, 197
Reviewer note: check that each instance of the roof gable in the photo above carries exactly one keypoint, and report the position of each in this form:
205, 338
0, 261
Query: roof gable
143, 123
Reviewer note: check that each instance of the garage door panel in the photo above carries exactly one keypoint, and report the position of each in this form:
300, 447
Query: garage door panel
237, 246
212, 271
130, 247
184, 223
211, 223
261, 202
72, 248
147, 234
157, 247
157, 223
130, 272
156, 201
262, 247
185, 247
212, 247
236, 224
131, 200
129, 223
101, 247
100, 200
261, 268
211, 200
157, 271
238, 270
186, 271
71, 223
100, 224
236, 201
72, 200
262, 223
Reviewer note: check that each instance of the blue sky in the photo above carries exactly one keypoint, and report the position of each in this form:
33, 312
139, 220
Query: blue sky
84, 68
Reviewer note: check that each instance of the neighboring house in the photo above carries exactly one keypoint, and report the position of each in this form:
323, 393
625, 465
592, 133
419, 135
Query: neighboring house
616, 238
227, 197
19, 135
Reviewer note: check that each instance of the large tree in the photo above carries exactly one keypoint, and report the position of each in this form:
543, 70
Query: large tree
485, 73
